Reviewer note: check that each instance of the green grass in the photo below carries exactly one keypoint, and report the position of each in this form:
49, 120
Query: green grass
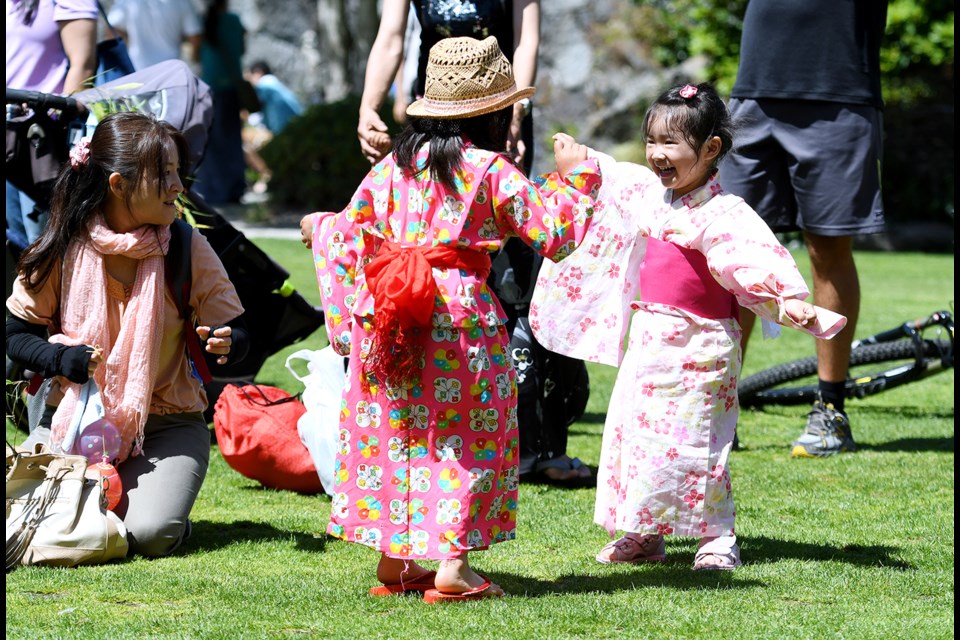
858, 546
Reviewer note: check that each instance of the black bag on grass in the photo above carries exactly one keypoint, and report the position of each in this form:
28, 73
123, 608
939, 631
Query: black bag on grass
275, 313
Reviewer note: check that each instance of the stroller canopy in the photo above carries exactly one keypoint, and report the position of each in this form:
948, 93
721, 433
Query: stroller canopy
169, 90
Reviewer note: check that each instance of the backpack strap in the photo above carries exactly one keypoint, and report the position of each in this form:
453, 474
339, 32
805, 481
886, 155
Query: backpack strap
179, 275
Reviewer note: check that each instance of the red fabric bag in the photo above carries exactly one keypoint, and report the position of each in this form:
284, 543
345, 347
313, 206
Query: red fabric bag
256, 428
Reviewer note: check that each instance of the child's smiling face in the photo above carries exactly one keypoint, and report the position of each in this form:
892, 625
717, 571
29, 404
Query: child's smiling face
154, 199
676, 163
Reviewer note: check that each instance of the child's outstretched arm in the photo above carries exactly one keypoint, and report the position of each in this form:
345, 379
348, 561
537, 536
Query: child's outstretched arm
568, 152
817, 321
747, 259
800, 312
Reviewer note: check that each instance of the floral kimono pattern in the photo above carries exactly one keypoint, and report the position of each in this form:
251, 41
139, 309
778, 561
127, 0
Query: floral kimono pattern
674, 409
430, 470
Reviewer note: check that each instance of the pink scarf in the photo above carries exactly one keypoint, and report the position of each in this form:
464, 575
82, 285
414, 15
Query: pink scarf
126, 375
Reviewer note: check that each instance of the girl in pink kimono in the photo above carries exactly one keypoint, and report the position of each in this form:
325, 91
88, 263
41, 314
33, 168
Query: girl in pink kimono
427, 467
693, 254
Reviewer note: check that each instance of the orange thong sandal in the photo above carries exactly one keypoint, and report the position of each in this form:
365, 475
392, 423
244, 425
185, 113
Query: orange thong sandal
487, 590
418, 584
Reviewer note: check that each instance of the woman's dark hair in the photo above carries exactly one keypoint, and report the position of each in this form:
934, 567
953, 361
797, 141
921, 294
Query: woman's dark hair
446, 137
696, 118
260, 66
28, 11
211, 22
131, 144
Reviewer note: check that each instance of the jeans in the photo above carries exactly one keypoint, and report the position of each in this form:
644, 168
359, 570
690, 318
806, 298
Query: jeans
24, 223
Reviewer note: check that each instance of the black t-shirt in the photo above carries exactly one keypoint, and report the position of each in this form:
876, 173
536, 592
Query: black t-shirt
452, 19
825, 50
514, 271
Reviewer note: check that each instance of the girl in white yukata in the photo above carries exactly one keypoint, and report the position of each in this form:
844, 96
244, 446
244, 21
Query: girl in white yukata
668, 244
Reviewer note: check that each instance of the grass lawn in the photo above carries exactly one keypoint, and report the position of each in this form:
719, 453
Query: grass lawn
856, 546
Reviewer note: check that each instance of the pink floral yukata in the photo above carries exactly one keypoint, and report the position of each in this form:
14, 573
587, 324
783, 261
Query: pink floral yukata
430, 471
674, 409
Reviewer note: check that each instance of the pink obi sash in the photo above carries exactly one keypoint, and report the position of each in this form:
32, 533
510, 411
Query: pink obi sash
680, 277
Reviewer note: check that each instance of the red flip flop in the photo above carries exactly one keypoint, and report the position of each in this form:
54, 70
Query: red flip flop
487, 590
419, 584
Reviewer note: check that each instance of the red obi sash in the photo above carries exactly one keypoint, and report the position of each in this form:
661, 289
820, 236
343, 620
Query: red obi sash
680, 277
400, 279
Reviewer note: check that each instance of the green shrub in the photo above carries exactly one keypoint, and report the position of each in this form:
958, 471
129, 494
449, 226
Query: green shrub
316, 160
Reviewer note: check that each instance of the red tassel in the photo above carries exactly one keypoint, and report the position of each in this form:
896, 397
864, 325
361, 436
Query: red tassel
394, 357
401, 282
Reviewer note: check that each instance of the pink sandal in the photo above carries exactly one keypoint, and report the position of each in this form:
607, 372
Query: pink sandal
717, 554
633, 548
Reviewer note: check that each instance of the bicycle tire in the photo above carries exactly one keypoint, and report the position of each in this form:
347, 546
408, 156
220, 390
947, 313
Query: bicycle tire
764, 387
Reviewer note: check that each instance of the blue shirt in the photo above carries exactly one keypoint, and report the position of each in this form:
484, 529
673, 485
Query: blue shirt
279, 104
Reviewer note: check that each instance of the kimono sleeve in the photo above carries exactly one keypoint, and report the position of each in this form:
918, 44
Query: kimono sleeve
746, 258
581, 306
551, 216
341, 242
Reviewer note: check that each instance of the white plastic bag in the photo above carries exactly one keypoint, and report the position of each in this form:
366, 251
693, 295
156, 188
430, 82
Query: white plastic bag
319, 427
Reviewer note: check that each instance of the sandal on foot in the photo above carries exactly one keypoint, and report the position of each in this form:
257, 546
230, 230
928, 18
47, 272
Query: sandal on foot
419, 584
717, 554
642, 548
487, 590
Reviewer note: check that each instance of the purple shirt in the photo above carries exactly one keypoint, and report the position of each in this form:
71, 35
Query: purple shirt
35, 57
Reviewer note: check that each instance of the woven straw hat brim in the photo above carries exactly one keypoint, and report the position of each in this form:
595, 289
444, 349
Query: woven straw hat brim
449, 110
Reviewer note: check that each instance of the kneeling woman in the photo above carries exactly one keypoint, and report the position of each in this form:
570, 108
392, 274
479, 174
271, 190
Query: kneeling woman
94, 282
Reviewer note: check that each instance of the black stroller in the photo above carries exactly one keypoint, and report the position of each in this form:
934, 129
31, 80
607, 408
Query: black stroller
38, 143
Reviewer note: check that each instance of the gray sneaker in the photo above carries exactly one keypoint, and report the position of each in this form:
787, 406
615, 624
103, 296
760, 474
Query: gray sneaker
828, 432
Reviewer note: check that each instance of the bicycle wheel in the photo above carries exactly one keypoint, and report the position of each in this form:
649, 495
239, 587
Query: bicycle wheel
772, 386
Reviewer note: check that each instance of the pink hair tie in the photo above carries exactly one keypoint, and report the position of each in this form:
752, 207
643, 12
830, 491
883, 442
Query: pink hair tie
80, 154
688, 91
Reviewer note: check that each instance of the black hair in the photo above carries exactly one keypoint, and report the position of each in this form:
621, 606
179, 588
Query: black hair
696, 118
211, 22
28, 11
488, 131
261, 66
128, 143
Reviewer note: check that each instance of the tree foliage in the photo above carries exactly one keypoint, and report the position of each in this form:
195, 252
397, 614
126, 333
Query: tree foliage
916, 58
316, 159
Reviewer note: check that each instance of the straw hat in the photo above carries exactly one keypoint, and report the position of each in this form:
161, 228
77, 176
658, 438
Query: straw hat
465, 78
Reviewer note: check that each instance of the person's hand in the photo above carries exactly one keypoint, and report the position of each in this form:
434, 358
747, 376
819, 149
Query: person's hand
374, 139
800, 312
218, 340
516, 147
306, 230
569, 153
96, 357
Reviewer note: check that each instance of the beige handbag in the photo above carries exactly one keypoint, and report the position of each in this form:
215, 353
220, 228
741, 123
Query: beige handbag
56, 512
